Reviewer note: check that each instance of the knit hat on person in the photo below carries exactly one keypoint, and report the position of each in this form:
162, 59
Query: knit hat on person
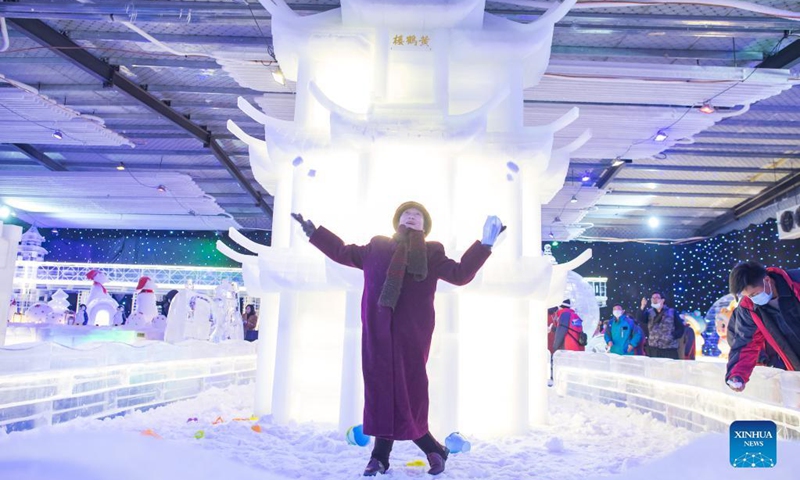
566, 303
405, 206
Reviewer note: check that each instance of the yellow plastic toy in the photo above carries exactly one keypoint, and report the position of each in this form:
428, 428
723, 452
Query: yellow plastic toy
256, 428
416, 463
199, 434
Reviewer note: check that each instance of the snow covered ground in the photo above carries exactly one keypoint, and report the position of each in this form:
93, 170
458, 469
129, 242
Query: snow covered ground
584, 441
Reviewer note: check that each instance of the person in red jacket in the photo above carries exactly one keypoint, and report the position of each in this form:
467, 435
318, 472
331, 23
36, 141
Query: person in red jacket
569, 327
765, 324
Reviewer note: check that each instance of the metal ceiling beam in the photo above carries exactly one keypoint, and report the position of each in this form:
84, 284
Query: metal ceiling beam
62, 45
187, 39
632, 215
738, 147
749, 135
227, 12
234, 114
48, 89
763, 199
129, 151
176, 62
610, 173
688, 168
256, 41
138, 167
666, 208
661, 181
689, 229
731, 154
659, 193
740, 122
38, 156
787, 57
214, 180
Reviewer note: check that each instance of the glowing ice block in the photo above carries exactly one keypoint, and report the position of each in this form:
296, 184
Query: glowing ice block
690, 394
393, 104
46, 383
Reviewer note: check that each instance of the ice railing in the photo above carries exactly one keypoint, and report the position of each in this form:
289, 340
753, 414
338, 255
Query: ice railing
689, 394
122, 277
47, 383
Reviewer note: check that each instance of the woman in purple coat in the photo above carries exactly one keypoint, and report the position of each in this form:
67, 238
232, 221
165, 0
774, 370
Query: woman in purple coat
397, 317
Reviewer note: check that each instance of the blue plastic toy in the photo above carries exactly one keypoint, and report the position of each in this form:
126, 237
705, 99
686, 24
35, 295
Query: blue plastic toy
457, 443
355, 436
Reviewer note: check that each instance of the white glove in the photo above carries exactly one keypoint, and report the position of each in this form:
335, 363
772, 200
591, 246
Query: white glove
491, 230
736, 384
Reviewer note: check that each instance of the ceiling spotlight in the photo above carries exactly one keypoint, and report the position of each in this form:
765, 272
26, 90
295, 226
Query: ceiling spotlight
54, 231
5, 212
617, 162
707, 108
58, 135
586, 177
161, 188
277, 75
551, 234
574, 199
661, 136
121, 166
557, 219
653, 222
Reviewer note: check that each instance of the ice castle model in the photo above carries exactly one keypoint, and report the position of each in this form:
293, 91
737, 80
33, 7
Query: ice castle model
396, 101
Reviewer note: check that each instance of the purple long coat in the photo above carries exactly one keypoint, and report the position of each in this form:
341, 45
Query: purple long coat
395, 345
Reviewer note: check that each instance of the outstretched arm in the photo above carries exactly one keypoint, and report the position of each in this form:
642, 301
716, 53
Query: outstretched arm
459, 273
335, 249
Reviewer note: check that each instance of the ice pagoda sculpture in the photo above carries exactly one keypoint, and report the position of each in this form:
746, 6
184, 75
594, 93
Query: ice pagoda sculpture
399, 101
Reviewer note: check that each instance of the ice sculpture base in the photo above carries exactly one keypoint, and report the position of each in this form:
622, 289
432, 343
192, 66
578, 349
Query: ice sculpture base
52, 384
687, 394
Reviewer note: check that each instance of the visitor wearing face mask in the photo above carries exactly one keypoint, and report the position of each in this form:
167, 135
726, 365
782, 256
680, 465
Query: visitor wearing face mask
621, 335
766, 322
660, 328
397, 319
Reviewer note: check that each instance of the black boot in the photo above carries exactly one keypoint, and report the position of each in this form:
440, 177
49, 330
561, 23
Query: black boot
437, 461
375, 467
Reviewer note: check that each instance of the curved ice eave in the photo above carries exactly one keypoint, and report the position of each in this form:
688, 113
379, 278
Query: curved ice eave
558, 282
449, 128
278, 8
250, 270
559, 124
334, 108
246, 243
529, 138
408, 13
498, 40
545, 22
282, 133
558, 166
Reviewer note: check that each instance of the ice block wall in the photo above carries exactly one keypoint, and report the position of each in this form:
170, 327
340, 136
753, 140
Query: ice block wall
9, 240
47, 383
689, 394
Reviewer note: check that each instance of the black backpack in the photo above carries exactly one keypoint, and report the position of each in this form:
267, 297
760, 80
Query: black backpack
582, 339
